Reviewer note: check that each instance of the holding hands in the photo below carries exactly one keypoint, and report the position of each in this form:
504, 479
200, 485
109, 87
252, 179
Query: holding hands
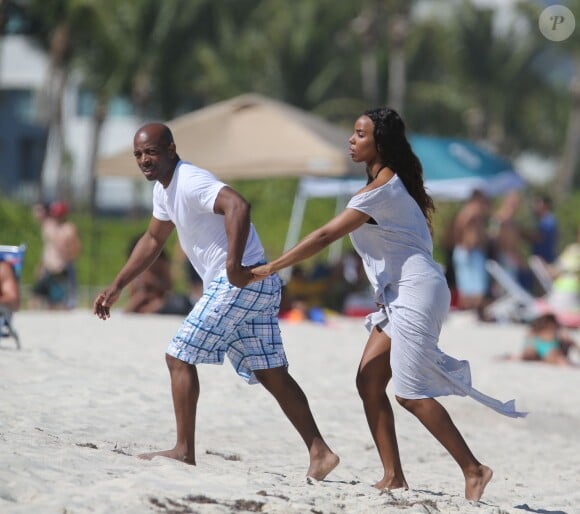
261, 272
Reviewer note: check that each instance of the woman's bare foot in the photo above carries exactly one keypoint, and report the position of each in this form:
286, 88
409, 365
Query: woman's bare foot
475, 484
321, 466
170, 454
389, 483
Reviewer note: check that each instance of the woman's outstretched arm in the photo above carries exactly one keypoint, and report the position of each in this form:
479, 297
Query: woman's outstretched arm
344, 223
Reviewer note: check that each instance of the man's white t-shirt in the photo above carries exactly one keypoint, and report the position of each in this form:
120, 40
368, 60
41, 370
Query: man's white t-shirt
188, 202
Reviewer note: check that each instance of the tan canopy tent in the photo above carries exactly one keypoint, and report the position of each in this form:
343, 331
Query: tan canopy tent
251, 136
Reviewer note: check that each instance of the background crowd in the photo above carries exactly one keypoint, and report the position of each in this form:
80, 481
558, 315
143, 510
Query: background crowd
519, 231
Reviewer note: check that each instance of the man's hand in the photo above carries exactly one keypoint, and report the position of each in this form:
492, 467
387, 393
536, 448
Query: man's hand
104, 301
240, 277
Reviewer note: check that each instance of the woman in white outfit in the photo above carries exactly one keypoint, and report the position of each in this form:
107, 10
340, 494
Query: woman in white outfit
389, 224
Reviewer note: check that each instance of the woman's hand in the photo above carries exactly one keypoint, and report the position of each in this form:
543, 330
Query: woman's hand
261, 272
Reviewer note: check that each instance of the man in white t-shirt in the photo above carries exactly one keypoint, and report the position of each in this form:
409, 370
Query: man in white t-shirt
233, 317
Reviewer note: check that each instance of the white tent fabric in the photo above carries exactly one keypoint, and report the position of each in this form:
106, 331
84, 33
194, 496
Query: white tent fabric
458, 190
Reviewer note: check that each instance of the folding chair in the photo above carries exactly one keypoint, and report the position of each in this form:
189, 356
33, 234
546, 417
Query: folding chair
541, 272
14, 255
516, 304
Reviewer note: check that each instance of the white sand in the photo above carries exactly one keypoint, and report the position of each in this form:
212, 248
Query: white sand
84, 396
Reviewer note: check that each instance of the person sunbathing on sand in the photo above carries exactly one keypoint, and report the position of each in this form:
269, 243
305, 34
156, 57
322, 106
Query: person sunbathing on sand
547, 342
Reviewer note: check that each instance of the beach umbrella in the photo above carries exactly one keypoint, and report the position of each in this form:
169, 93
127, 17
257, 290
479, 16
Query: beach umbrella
453, 168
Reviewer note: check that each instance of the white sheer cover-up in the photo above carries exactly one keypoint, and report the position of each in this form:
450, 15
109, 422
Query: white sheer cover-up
446, 375
409, 284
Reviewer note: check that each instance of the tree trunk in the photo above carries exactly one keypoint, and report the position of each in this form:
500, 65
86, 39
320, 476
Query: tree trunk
365, 25
98, 121
370, 76
398, 30
565, 178
53, 179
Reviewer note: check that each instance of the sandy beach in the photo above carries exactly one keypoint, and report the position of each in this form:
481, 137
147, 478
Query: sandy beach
83, 397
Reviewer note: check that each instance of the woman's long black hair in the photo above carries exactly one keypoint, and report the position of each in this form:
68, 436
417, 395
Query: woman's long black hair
396, 153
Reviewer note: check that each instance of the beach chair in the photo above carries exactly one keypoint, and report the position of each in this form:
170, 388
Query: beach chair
14, 255
515, 304
541, 272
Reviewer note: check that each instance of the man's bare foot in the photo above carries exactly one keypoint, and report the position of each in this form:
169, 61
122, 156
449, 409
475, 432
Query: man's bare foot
170, 454
391, 483
475, 484
322, 466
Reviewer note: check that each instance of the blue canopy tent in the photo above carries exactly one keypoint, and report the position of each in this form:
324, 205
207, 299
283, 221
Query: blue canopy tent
452, 168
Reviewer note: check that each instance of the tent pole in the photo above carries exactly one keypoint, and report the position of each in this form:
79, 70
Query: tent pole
335, 250
293, 234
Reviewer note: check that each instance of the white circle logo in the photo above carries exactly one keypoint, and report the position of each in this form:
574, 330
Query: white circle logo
557, 23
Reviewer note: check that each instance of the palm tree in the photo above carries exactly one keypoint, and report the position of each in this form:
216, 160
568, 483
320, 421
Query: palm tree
291, 51
569, 164
367, 27
570, 153
564, 56
398, 30
494, 72
120, 48
60, 24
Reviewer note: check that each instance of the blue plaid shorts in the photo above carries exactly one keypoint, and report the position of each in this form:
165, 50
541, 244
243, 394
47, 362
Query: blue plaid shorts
242, 323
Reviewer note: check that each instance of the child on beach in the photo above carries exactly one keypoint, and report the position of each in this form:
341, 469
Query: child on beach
547, 342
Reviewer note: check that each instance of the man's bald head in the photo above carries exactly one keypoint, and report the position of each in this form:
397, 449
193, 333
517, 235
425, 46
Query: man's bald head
154, 133
155, 153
